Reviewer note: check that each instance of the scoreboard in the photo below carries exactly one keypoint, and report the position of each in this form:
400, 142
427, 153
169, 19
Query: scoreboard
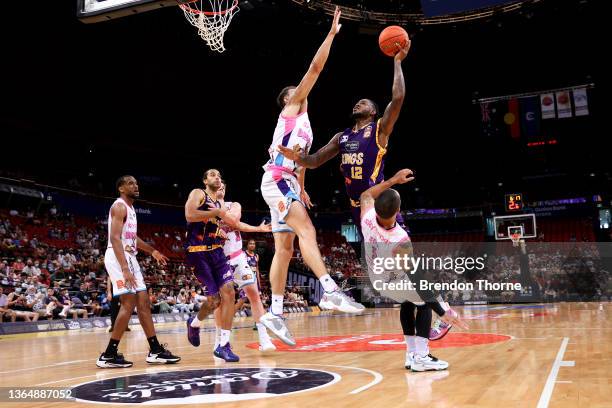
514, 202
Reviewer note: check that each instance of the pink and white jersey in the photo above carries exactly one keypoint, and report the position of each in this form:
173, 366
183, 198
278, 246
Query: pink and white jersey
380, 242
129, 231
290, 132
233, 243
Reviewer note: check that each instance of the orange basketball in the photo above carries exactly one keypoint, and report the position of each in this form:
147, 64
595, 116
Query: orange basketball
391, 39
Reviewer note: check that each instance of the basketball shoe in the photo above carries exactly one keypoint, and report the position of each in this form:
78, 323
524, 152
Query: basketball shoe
164, 356
427, 363
338, 300
441, 329
116, 361
276, 324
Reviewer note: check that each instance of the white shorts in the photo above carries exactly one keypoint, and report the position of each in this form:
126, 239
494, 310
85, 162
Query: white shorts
242, 272
116, 275
280, 190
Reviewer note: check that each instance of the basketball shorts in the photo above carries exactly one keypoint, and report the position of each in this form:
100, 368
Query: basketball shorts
241, 271
116, 275
211, 269
280, 189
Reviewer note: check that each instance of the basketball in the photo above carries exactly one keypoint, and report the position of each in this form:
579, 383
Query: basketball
391, 39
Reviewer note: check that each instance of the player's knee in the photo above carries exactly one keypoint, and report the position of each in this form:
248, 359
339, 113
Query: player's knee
215, 301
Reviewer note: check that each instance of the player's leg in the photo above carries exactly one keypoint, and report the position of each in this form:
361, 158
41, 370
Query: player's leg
158, 354
283, 251
423, 360
222, 274
203, 273
333, 298
111, 358
252, 292
246, 280
408, 321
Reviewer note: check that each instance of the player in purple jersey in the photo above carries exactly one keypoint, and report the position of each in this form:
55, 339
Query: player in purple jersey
362, 147
205, 238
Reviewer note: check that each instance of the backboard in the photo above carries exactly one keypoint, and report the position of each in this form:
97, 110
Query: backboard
93, 11
506, 224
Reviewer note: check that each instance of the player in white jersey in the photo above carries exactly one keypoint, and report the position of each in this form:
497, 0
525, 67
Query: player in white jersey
384, 238
287, 199
244, 277
126, 278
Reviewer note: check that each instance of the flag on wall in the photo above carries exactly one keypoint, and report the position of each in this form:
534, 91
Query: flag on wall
547, 103
530, 117
564, 104
581, 102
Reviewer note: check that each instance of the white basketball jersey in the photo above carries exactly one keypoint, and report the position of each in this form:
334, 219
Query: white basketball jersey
129, 231
378, 241
289, 132
233, 242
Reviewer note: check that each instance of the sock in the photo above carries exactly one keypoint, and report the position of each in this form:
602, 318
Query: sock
410, 343
444, 305
263, 334
217, 337
328, 283
111, 349
224, 337
154, 344
196, 323
277, 304
422, 346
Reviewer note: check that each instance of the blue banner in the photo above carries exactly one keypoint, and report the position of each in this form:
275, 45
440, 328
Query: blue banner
530, 117
434, 8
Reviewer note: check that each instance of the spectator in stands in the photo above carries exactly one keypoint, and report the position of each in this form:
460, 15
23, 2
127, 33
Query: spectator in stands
5, 311
18, 265
17, 303
162, 304
77, 307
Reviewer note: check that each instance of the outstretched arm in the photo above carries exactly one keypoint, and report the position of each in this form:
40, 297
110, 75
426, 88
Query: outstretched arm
232, 218
316, 66
312, 161
398, 91
367, 197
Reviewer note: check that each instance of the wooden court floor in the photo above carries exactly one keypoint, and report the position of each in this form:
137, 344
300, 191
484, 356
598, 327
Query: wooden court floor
557, 355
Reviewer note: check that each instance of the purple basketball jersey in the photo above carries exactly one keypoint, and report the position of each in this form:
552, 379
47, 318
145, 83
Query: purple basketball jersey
363, 160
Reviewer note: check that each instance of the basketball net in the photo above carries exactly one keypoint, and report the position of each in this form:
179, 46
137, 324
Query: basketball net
211, 18
516, 237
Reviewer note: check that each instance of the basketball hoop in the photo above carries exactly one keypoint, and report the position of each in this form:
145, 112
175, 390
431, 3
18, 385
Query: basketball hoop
211, 18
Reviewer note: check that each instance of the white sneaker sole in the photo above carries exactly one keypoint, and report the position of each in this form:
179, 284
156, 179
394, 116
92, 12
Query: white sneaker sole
104, 364
162, 360
421, 368
331, 306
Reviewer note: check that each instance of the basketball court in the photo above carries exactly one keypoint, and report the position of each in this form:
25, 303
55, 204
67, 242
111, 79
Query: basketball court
513, 355
523, 348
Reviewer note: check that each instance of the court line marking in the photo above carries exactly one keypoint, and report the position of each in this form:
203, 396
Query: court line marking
552, 376
378, 377
45, 366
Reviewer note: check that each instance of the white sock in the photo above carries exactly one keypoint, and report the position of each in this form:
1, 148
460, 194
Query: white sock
277, 304
217, 336
263, 334
196, 323
224, 337
328, 283
422, 346
410, 343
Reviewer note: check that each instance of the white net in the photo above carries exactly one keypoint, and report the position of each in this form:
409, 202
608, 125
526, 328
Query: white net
211, 18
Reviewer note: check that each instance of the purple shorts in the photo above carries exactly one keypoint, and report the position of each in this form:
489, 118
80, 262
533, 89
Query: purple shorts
356, 214
211, 269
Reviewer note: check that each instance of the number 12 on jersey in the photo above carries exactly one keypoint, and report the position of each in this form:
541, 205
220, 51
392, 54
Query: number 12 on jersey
356, 172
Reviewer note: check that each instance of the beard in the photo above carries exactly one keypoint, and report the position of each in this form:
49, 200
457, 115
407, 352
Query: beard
359, 115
